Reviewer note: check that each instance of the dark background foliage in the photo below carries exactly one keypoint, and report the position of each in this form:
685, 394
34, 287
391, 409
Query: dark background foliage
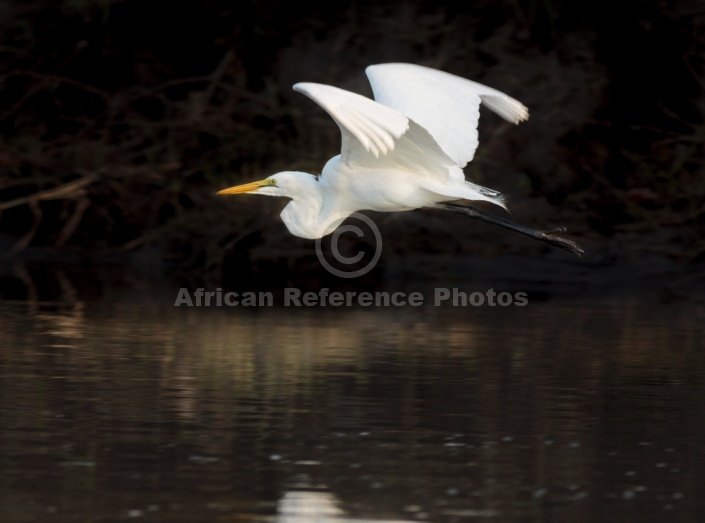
120, 119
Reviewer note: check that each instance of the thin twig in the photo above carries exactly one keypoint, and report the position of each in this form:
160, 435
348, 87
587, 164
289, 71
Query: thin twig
55, 193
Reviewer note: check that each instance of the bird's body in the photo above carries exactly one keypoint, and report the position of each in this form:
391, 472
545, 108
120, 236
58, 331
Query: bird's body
323, 203
404, 151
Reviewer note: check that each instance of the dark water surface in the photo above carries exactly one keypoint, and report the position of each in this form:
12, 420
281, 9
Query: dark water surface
126, 408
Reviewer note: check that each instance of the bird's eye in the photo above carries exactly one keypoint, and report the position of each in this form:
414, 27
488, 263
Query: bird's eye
272, 182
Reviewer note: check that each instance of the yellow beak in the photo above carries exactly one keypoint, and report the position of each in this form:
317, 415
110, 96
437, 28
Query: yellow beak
247, 187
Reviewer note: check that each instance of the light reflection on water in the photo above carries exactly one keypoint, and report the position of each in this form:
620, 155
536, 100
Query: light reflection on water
130, 408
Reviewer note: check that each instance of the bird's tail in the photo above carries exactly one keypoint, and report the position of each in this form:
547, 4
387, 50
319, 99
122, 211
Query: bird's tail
486, 194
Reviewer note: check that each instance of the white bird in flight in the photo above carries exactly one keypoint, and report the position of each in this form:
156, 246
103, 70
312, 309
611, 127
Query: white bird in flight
404, 150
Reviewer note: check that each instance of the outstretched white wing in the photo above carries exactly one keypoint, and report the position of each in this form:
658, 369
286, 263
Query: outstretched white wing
447, 106
375, 135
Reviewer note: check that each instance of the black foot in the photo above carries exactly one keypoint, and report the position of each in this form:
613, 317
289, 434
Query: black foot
568, 245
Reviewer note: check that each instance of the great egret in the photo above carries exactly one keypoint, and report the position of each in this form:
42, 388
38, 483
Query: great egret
404, 151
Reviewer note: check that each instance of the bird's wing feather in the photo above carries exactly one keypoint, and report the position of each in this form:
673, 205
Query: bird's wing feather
374, 126
447, 106
377, 136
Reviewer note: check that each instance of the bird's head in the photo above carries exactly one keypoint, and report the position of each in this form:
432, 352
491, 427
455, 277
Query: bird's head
289, 184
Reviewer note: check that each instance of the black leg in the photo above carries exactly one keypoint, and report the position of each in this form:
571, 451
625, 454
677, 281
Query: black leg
544, 236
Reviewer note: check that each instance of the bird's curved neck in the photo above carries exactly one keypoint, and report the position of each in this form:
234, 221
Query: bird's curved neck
302, 216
